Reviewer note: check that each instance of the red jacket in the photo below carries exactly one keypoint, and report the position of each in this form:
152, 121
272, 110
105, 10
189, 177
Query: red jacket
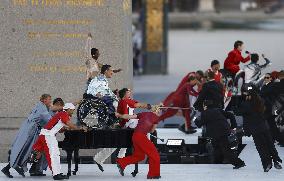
233, 60
185, 79
218, 75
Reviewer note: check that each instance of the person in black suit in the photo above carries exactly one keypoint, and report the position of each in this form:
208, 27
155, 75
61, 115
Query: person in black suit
254, 123
218, 128
268, 93
211, 90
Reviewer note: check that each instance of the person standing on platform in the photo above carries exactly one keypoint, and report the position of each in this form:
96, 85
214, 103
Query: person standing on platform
93, 66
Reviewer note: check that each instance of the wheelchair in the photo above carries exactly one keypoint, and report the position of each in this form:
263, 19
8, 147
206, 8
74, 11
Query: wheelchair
96, 113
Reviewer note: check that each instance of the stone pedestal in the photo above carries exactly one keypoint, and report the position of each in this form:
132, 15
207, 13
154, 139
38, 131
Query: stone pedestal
42, 51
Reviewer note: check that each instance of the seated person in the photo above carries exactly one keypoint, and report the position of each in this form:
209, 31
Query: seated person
99, 88
234, 59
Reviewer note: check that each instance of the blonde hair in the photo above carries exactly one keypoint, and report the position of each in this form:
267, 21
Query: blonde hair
156, 108
44, 96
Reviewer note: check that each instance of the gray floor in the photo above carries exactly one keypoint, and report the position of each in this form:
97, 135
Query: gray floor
193, 172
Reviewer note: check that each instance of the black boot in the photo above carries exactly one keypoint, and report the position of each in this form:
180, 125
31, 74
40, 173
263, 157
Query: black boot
6, 171
269, 166
239, 166
100, 166
60, 177
189, 131
34, 171
156, 177
120, 170
277, 165
20, 171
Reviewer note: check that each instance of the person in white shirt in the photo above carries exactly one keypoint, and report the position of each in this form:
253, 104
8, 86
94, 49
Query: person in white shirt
99, 88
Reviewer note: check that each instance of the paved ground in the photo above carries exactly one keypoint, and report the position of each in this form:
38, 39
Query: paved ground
193, 172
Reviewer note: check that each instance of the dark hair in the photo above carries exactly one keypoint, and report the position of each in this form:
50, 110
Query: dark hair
210, 75
257, 103
190, 78
105, 68
238, 43
58, 101
122, 92
200, 72
44, 96
94, 51
208, 103
254, 57
214, 62
115, 91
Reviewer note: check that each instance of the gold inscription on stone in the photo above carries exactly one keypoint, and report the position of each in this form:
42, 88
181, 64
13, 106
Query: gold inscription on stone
41, 68
35, 35
154, 25
57, 22
42, 54
57, 3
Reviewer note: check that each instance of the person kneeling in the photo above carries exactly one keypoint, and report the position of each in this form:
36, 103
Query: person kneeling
47, 143
218, 128
142, 145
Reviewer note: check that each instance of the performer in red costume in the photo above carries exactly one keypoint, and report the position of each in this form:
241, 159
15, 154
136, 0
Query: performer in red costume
235, 57
180, 98
215, 67
126, 105
142, 145
47, 143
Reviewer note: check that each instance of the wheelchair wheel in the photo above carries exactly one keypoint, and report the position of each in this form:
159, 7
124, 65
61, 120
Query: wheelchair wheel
93, 113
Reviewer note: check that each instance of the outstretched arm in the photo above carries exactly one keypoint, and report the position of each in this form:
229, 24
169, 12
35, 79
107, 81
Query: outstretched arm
125, 116
74, 127
267, 62
143, 105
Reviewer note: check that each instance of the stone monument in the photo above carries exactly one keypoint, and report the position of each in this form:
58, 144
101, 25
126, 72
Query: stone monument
42, 50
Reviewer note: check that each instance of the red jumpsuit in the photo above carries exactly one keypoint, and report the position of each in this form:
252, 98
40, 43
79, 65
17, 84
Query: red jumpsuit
233, 60
47, 142
179, 98
218, 76
143, 146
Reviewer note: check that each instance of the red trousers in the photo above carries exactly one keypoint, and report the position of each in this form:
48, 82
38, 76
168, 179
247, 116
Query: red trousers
49, 146
142, 146
172, 101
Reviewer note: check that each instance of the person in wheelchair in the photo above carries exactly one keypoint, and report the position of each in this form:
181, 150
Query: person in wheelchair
253, 70
99, 88
218, 128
